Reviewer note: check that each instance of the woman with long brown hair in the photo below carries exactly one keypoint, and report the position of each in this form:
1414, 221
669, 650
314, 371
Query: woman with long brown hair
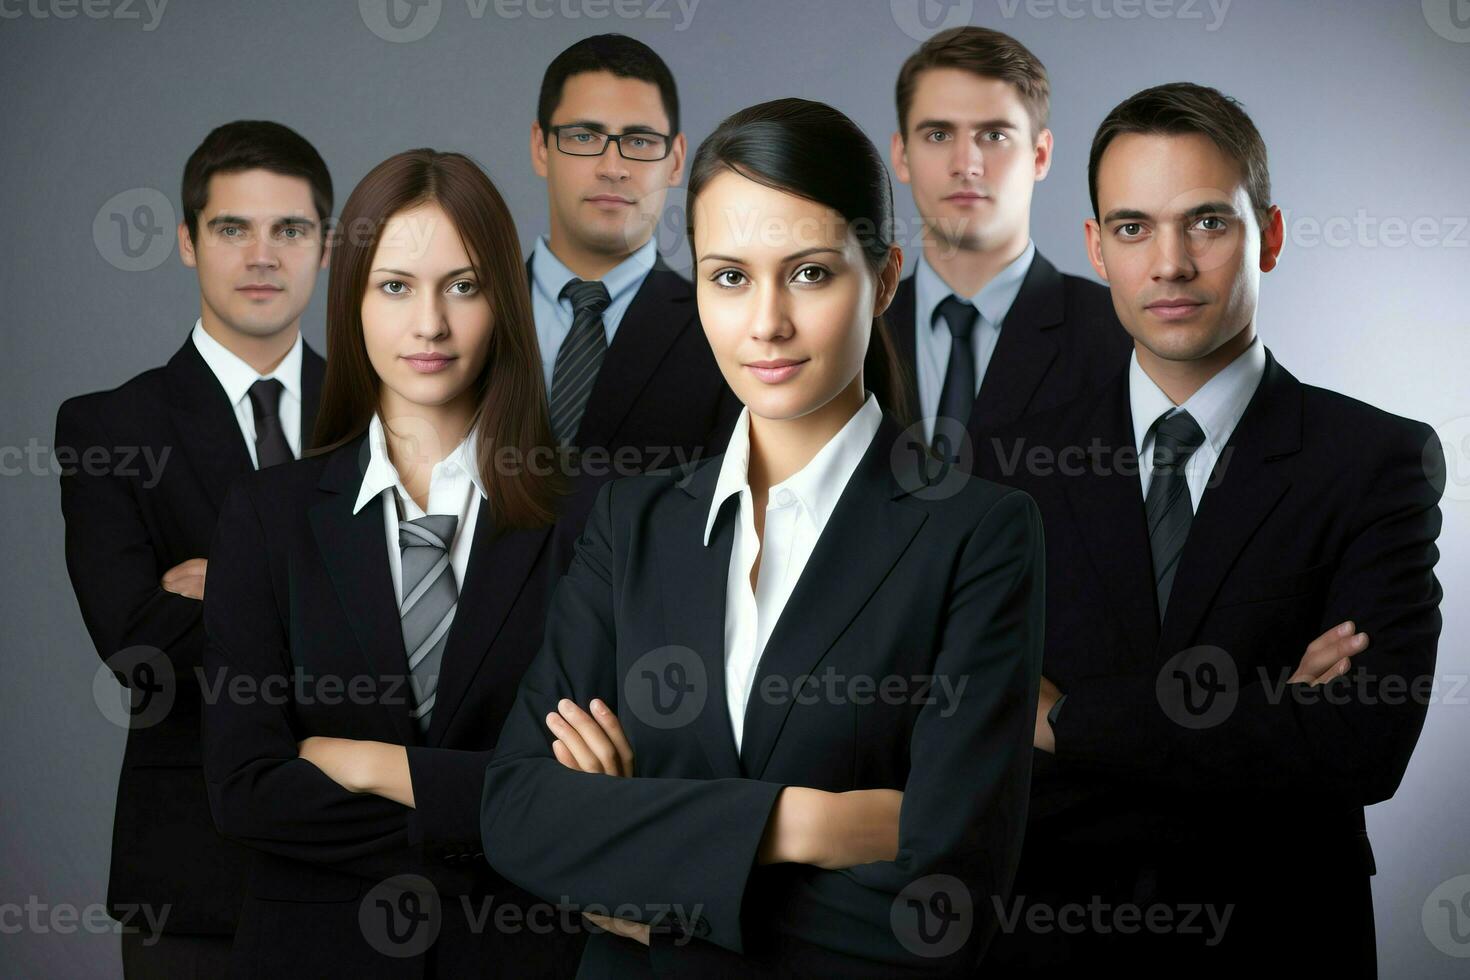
374, 604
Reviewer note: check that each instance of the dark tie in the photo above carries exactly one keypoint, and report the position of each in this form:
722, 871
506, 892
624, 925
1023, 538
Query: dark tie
430, 597
1168, 505
579, 357
271, 446
958, 394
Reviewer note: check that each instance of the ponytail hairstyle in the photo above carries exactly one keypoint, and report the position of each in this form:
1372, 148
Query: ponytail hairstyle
813, 151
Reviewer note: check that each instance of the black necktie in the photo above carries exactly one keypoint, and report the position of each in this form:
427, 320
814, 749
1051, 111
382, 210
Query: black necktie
270, 439
958, 394
1168, 505
579, 357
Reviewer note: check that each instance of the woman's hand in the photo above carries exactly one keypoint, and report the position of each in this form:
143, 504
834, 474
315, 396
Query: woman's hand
832, 830
620, 927
592, 742
361, 766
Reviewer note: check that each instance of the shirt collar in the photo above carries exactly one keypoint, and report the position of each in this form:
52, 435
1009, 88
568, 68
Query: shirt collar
380, 474
818, 484
235, 375
994, 300
550, 275
1217, 406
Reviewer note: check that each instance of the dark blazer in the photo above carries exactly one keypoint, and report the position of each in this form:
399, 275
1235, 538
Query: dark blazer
1060, 339
123, 531
659, 400
1185, 770
302, 591
902, 586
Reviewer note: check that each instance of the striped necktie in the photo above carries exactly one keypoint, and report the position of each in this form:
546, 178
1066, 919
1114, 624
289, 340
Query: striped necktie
429, 599
579, 357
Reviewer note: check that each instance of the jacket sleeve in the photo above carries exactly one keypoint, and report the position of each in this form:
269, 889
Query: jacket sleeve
260, 791
965, 799
639, 847
110, 557
1349, 739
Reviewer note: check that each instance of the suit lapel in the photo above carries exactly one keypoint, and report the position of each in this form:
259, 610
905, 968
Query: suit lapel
866, 534
1243, 489
205, 423
355, 553
1109, 512
693, 579
500, 565
1024, 352
661, 309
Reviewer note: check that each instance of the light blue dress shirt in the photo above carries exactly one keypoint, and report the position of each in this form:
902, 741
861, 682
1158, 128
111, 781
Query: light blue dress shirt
553, 313
932, 339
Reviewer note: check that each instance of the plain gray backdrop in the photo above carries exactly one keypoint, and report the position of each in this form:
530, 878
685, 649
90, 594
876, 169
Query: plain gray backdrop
1362, 104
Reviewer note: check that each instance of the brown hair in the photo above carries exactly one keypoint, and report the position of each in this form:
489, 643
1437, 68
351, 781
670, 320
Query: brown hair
254, 144
512, 409
983, 52
1180, 108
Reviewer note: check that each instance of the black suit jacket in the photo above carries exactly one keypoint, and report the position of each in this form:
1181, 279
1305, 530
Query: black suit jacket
303, 593
126, 526
1185, 768
1060, 339
659, 401
902, 586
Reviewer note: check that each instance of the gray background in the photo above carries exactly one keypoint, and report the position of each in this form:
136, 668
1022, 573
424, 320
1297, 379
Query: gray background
1362, 105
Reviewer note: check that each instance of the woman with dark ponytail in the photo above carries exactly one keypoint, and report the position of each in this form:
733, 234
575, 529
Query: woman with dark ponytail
781, 723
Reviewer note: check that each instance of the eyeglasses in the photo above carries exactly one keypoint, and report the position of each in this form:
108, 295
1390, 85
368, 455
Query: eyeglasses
580, 141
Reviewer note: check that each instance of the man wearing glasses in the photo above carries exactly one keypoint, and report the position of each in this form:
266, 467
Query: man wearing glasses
631, 379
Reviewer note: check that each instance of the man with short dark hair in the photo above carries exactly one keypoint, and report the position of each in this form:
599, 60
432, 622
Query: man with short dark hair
1241, 599
240, 394
988, 330
630, 376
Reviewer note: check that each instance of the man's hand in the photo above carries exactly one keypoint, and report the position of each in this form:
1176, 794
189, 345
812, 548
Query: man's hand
590, 742
1327, 656
1045, 739
186, 578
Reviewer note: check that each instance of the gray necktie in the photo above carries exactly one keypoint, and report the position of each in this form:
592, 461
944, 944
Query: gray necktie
579, 357
429, 598
1168, 505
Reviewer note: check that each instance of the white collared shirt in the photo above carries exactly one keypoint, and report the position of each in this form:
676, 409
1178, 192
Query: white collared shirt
236, 377
553, 312
932, 339
797, 510
454, 488
1217, 407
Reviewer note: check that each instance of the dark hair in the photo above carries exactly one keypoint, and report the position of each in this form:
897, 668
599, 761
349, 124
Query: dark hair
1180, 108
981, 51
254, 144
619, 54
512, 409
815, 152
